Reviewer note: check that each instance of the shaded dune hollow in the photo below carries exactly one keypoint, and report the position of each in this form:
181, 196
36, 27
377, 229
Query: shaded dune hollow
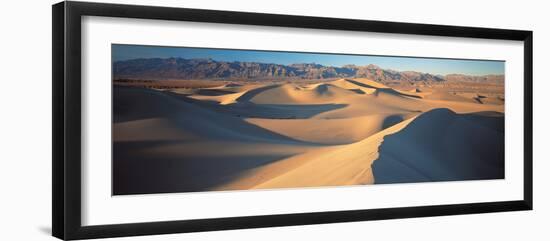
241, 136
441, 145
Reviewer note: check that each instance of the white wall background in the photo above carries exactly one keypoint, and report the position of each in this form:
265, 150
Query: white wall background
25, 120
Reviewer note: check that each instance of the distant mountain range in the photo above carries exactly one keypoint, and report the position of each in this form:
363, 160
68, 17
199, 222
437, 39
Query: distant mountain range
180, 68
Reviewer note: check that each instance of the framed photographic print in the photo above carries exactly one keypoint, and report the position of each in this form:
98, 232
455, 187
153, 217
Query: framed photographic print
170, 120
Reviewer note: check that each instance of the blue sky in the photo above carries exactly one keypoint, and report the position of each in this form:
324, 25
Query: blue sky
427, 65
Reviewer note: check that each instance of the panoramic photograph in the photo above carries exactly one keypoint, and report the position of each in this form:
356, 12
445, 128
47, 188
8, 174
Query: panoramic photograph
189, 119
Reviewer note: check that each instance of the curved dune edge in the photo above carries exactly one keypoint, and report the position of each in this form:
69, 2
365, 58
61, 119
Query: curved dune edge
328, 166
441, 145
315, 130
382, 98
264, 136
237, 89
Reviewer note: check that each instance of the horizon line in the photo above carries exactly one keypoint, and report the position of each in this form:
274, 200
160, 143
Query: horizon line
286, 54
236, 61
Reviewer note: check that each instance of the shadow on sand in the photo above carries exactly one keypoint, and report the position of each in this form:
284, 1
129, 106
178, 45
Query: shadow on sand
136, 171
441, 145
126, 108
143, 165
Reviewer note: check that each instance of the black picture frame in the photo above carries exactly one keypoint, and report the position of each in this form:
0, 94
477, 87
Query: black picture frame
66, 168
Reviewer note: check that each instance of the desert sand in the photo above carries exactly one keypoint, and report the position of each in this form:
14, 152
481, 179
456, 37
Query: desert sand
243, 135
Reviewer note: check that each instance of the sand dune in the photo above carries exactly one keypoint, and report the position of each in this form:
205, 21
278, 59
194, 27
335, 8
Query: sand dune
440, 95
293, 94
153, 107
436, 146
280, 135
441, 145
158, 149
328, 166
228, 94
360, 96
316, 130
349, 85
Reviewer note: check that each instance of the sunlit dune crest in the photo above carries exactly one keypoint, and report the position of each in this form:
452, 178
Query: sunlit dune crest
265, 135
